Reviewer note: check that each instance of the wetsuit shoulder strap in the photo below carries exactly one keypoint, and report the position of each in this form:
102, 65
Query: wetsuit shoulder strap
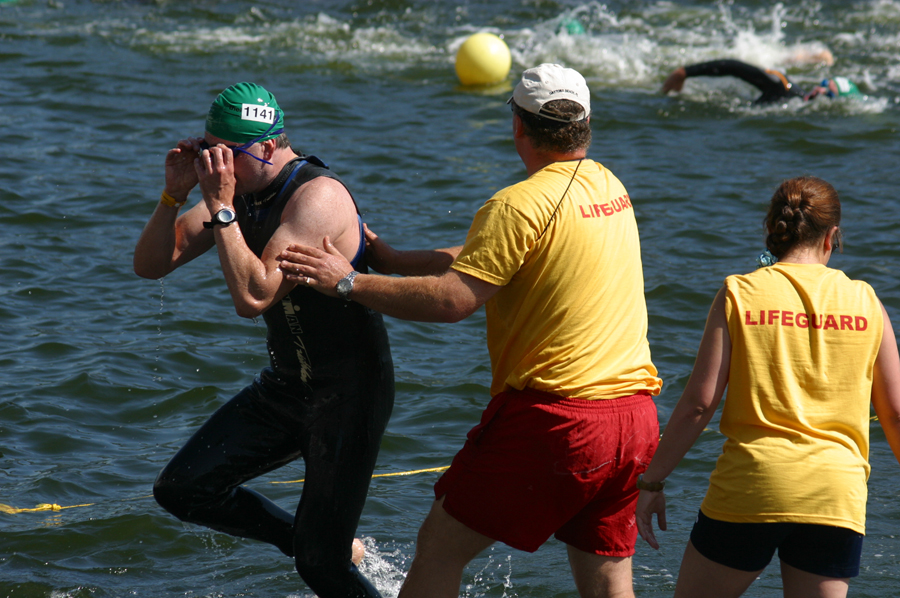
309, 168
258, 220
361, 249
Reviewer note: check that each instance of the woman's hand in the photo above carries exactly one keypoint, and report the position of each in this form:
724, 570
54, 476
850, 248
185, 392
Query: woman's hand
648, 504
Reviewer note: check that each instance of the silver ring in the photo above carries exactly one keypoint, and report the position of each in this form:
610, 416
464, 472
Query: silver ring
307, 281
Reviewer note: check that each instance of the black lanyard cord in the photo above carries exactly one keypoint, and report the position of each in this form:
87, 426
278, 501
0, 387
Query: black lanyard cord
555, 210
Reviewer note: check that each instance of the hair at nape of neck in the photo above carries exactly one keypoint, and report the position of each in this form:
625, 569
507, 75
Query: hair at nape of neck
554, 134
802, 211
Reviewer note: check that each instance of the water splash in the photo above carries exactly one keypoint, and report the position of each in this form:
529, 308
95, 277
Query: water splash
492, 575
631, 47
384, 568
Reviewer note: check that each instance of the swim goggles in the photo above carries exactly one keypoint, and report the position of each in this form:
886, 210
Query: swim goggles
844, 87
243, 148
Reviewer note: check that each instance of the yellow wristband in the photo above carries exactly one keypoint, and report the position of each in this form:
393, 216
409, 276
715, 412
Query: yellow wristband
170, 201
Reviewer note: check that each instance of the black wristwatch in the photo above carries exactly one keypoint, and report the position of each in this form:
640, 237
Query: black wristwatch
345, 285
223, 217
650, 486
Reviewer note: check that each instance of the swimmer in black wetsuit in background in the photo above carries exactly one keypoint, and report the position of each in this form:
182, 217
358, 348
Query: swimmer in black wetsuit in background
329, 390
774, 85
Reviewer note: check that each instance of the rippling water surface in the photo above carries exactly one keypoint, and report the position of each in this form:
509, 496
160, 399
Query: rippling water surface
104, 375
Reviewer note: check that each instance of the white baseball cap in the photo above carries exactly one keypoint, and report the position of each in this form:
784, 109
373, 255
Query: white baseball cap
547, 82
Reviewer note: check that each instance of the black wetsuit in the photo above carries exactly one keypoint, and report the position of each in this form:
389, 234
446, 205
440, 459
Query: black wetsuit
775, 86
326, 397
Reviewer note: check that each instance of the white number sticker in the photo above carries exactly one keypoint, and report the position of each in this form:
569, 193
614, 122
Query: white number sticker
260, 114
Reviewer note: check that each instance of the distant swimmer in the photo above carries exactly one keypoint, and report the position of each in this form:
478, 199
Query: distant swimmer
329, 390
774, 85
801, 353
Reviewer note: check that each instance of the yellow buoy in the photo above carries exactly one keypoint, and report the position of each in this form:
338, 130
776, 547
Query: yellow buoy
483, 59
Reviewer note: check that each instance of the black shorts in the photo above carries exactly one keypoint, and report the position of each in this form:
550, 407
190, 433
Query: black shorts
817, 549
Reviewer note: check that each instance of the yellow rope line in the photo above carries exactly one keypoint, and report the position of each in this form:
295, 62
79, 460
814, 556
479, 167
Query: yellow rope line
41, 507
55, 507
381, 475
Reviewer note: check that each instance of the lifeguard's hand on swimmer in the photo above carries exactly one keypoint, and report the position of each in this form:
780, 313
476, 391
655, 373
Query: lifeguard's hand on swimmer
320, 269
380, 256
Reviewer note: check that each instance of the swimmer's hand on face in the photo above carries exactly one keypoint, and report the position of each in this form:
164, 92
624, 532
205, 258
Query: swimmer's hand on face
180, 174
379, 255
675, 81
215, 172
815, 92
831, 90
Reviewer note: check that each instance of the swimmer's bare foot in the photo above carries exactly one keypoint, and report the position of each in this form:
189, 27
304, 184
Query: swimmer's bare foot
358, 551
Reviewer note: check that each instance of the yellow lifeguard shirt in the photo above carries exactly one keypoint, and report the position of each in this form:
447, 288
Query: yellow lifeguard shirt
804, 341
571, 318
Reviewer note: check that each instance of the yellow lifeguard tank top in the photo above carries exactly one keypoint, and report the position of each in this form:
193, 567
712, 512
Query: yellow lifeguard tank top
804, 340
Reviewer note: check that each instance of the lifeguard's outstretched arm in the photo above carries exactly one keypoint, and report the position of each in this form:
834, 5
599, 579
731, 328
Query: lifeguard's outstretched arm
385, 259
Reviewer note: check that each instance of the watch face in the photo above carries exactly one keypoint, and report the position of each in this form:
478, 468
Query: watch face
225, 216
345, 285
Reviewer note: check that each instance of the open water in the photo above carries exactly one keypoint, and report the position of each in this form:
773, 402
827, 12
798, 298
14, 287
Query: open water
104, 375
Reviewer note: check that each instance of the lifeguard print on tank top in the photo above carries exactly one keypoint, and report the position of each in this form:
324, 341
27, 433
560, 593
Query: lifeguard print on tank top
780, 317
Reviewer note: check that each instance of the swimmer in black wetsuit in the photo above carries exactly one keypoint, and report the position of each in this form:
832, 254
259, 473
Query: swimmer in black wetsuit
328, 393
774, 85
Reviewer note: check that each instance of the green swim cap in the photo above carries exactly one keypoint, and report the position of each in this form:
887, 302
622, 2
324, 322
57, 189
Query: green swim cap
570, 26
245, 112
846, 87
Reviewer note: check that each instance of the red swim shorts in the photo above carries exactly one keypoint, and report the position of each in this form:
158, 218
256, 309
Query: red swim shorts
539, 465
